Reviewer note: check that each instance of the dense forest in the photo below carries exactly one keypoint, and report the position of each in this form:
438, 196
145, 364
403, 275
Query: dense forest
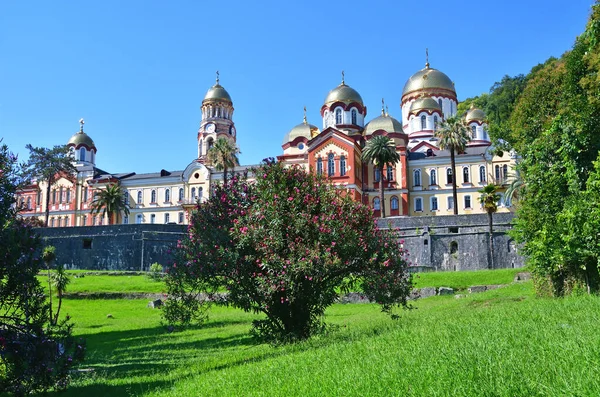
551, 117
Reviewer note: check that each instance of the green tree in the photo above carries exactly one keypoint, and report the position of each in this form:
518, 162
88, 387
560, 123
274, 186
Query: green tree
111, 201
35, 354
47, 165
223, 155
283, 246
381, 152
489, 199
453, 136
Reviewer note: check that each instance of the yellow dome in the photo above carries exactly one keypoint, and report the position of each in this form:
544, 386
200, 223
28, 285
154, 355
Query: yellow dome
304, 130
81, 138
217, 93
383, 122
424, 104
428, 78
474, 114
343, 93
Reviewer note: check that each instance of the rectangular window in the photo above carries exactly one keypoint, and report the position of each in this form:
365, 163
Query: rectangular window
85, 194
126, 219
450, 203
467, 201
139, 218
181, 217
453, 229
418, 204
434, 204
377, 174
87, 243
84, 220
152, 218
167, 218
54, 196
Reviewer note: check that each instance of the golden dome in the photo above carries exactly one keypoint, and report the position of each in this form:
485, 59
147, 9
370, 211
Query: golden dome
428, 78
424, 104
383, 122
474, 114
81, 138
304, 130
343, 93
217, 93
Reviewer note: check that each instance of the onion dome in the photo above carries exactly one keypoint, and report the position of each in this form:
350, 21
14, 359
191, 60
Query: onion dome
217, 93
343, 93
426, 104
474, 114
302, 130
427, 80
80, 138
384, 122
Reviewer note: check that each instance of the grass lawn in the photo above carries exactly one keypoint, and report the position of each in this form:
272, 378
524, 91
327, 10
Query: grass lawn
504, 342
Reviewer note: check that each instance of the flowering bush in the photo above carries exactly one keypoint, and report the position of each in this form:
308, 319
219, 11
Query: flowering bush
35, 355
282, 245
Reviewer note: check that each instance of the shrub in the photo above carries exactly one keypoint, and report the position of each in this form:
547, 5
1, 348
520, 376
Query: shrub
156, 271
282, 246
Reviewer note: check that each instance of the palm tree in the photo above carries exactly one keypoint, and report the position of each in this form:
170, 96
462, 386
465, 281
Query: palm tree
489, 199
515, 188
110, 201
381, 151
454, 136
223, 156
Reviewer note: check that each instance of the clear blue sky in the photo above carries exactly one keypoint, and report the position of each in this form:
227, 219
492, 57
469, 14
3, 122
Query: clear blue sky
137, 71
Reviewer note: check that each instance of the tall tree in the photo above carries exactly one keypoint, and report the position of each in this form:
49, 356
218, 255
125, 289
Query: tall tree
224, 156
110, 201
454, 136
48, 165
381, 151
489, 199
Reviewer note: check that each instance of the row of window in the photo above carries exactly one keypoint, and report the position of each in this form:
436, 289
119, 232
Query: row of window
434, 205
394, 203
331, 165
166, 219
501, 175
339, 119
196, 194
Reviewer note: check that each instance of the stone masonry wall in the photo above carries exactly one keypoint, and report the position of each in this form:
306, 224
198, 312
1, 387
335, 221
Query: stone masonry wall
456, 242
115, 247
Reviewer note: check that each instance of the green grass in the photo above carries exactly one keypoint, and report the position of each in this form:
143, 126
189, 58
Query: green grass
110, 284
463, 280
504, 342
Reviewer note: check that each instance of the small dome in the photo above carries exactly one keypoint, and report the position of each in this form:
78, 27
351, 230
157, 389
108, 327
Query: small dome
343, 93
383, 122
81, 138
304, 130
474, 114
428, 78
217, 93
424, 104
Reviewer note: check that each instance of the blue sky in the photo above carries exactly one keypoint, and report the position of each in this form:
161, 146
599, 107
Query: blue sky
137, 71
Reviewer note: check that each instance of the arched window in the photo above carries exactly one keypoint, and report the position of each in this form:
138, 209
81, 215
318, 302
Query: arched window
60, 195
200, 190
434, 203
417, 178
82, 154
465, 174
497, 174
440, 103
66, 221
449, 175
418, 204
126, 197
453, 247
377, 174
153, 196
338, 116
390, 173
38, 199
200, 148
68, 195
51, 222
210, 143
423, 122
473, 132
342, 165
481, 173
376, 204
167, 195
504, 173
394, 203
354, 116
139, 197
319, 166
85, 194
54, 196
28, 203
193, 193
330, 165
433, 177
435, 122
180, 194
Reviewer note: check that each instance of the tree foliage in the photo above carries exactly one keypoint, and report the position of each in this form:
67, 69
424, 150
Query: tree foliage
35, 355
110, 201
381, 152
47, 165
224, 156
489, 200
282, 246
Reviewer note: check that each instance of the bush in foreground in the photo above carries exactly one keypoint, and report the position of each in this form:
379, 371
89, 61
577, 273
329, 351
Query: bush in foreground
283, 245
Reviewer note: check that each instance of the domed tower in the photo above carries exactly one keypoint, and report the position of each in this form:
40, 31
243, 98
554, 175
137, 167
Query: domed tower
344, 109
431, 83
82, 147
423, 118
217, 113
475, 118
383, 124
295, 141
